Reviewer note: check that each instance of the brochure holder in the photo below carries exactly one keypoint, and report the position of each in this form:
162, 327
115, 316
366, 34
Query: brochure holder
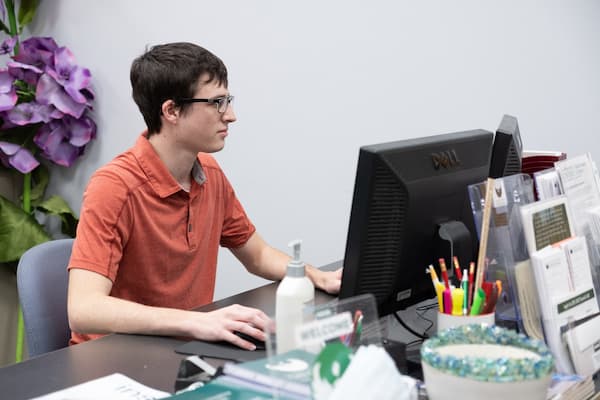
547, 287
540, 251
505, 243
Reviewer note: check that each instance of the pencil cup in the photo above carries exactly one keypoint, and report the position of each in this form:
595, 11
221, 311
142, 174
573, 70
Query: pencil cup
445, 321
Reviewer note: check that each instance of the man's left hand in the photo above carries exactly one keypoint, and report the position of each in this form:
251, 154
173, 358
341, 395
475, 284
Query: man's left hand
328, 281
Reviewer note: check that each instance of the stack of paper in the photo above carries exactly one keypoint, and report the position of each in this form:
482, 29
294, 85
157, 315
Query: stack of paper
115, 386
218, 389
593, 215
547, 184
528, 300
571, 387
288, 374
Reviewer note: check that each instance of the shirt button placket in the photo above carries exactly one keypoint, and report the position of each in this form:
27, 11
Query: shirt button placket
191, 229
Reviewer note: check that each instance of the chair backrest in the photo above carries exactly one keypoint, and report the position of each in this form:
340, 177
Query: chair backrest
42, 279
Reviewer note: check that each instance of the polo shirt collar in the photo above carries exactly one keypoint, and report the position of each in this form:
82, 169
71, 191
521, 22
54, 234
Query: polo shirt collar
156, 171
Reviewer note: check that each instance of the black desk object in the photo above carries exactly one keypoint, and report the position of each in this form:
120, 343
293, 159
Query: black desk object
226, 351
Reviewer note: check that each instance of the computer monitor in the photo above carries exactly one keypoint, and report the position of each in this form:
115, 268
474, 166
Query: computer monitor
507, 151
406, 194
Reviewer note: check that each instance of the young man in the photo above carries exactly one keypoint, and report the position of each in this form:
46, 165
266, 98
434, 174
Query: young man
153, 218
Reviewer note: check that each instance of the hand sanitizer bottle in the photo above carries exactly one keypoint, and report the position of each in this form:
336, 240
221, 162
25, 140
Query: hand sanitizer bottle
294, 293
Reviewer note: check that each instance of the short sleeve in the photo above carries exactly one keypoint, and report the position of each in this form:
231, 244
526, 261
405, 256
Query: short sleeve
104, 226
237, 227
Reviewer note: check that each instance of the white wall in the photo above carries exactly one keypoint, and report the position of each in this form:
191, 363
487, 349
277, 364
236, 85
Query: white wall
315, 79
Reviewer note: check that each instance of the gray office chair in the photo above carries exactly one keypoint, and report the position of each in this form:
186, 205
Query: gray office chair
42, 283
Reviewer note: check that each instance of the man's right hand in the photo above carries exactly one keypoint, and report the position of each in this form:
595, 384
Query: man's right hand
222, 323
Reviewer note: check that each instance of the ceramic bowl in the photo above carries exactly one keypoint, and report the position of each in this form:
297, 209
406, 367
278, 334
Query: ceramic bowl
479, 361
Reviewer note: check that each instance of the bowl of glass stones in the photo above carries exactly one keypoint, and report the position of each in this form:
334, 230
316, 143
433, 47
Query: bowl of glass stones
478, 361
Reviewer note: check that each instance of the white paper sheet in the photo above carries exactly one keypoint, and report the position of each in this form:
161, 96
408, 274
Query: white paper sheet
115, 386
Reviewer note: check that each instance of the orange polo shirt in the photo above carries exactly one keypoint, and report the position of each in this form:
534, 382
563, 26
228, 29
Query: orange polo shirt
157, 243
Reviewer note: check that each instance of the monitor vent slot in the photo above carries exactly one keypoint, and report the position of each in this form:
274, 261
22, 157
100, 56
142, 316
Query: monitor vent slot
384, 234
513, 162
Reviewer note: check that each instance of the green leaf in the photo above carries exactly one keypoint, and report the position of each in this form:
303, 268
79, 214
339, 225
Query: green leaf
26, 12
12, 21
19, 231
40, 177
56, 205
4, 28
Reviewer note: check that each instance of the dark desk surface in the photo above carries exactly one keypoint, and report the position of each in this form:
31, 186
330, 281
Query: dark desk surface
150, 360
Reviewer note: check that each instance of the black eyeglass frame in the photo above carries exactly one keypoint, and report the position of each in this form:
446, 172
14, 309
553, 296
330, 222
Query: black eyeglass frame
219, 101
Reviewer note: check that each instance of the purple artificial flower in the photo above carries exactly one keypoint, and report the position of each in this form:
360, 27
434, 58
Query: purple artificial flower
8, 45
54, 92
38, 51
31, 113
17, 157
49, 92
70, 75
89, 96
81, 131
8, 95
62, 141
24, 72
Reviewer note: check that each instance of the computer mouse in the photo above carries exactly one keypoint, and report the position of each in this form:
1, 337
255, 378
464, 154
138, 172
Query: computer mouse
260, 344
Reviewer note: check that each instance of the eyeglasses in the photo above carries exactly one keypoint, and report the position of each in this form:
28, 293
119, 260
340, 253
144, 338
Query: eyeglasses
221, 102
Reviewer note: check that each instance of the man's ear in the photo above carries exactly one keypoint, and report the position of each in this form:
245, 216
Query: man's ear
170, 111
